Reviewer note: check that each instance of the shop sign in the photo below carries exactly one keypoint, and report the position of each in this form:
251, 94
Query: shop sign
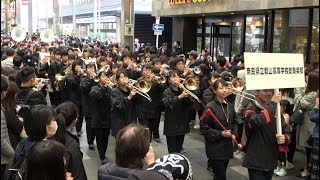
176, 2
103, 19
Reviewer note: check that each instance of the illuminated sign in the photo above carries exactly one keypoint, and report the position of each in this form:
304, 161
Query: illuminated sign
176, 2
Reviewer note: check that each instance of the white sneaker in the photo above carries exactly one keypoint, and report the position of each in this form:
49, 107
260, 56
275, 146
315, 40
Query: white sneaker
240, 155
276, 170
236, 152
281, 172
197, 126
289, 165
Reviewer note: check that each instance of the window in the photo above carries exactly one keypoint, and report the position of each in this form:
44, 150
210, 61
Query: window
291, 31
255, 33
314, 51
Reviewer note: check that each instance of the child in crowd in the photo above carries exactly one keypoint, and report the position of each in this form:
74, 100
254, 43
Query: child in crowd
286, 111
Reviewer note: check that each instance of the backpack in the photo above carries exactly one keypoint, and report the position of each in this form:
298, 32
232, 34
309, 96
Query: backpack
22, 106
18, 169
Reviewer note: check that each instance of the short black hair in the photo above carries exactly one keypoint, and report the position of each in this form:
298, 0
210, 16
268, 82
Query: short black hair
219, 81
238, 58
17, 61
221, 60
74, 64
126, 54
121, 71
36, 121
178, 42
4, 83
10, 52
71, 56
46, 157
25, 74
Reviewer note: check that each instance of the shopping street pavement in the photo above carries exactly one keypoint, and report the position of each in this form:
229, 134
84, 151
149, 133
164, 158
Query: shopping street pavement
195, 151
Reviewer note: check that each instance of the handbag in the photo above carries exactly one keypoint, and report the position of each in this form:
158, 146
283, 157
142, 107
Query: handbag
298, 115
310, 140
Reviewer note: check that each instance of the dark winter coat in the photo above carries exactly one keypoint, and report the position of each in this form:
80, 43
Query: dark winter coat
262, 148
122, 110
74, 162
100, 100
85, 85
114, 172
176, 121
217, 146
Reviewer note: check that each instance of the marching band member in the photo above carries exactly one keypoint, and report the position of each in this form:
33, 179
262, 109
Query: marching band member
128, 66
74, 91
262, 151
147, 111
176, 121
178, 65
122, 98
100, 96
85, 85
218, 143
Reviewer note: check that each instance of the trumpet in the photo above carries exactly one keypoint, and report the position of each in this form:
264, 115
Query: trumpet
237, 85
162, 79
142, 87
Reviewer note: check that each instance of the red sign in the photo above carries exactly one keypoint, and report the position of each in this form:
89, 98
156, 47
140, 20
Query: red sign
24, 2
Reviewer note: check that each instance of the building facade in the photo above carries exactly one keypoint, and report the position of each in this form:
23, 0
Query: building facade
236, 26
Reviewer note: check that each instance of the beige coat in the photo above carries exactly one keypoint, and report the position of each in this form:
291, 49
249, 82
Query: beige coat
307, 102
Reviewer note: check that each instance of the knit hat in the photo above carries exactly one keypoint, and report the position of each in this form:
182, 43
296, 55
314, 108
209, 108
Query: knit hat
177, 164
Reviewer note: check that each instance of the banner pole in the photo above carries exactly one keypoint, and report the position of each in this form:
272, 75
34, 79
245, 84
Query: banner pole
278, 116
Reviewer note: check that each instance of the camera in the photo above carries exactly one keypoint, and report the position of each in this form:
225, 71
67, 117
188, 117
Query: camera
45, 81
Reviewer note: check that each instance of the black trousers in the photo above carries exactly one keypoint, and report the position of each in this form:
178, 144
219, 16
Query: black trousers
3, 170
150, 123
90, 131
54, 98
80, 120
219, 168
175, 143
240, 129
255, 174
102, 138
292, 145
155, 132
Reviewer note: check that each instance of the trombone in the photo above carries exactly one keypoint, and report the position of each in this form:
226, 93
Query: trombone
237, 86
191, 84
142, 87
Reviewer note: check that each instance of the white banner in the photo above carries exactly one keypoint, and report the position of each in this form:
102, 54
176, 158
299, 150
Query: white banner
274, 70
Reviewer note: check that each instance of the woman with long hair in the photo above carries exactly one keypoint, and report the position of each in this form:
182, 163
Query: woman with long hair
305, 98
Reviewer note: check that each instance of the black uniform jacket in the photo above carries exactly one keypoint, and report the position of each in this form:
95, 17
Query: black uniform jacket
262, 147
85, 86
100, 100
74, 163
176, 121
122, 110
217, 146
73, 89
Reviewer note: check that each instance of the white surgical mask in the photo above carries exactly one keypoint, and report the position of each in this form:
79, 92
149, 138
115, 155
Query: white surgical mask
52, 129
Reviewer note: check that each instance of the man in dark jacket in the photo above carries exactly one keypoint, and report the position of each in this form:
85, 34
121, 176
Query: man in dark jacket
262, 139
176, 49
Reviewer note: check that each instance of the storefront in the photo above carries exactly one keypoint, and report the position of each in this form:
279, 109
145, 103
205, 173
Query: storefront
229, 27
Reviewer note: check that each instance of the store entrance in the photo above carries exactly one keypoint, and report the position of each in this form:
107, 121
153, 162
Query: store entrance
220, 40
